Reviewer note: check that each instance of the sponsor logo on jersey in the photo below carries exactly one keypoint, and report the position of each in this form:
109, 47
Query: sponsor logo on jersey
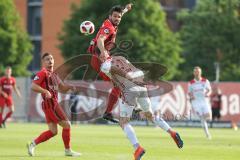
36, 78
106, 31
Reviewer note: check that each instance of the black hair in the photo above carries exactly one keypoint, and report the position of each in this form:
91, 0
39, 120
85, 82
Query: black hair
116, 8
45, 55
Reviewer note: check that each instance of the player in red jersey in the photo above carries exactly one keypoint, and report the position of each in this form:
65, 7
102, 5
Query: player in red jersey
100, 48
7, 84
48, 83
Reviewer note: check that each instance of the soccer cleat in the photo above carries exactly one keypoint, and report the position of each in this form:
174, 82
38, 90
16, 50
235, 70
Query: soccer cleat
109, 117
139, 153
30, 148
137, 110
71, 153
176, 137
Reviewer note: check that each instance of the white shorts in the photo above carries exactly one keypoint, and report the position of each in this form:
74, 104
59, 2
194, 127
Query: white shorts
126, 110
133, 99
201, 108
137, 95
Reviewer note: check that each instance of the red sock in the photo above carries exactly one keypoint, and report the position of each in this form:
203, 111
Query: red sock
66, 137
112, 99
8, 115
43, 137
0, 118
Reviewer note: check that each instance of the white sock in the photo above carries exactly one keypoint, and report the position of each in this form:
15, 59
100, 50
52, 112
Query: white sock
130, 133
33, 143
162, 124
205, 127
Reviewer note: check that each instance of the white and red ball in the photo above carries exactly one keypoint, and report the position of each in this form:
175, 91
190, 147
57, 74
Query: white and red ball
87, 27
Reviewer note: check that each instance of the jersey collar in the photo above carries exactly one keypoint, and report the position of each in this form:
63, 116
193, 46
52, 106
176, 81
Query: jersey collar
109, 22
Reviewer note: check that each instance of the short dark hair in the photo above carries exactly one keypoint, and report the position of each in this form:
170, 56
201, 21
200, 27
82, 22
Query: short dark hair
45, 55
116, 8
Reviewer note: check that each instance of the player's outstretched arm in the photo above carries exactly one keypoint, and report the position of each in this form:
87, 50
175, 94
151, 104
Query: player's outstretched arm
208, 90
127, 8
17, 91
39, 89
100, 43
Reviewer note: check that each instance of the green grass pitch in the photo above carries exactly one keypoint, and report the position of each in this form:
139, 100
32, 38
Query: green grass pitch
97, 142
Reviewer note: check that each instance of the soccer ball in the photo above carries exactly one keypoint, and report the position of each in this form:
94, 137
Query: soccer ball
87, 27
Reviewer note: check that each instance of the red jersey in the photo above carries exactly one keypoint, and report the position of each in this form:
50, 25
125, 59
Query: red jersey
216, 100
110, 31
49, 81
7, 84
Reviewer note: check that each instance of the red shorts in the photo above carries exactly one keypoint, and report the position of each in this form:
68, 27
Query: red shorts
95, 63
6, 101
53, 111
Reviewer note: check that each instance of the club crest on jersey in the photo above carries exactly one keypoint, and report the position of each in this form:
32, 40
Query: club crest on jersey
36, 78
106, 31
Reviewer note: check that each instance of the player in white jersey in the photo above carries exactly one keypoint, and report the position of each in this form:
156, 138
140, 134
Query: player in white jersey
199, 90
134, 93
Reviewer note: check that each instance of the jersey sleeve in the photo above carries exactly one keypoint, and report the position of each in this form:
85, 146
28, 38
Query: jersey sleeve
208, 86
39, 77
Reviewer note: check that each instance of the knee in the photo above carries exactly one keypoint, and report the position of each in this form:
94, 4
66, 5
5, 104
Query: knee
66, 125
207, 117
54, 131
123, 122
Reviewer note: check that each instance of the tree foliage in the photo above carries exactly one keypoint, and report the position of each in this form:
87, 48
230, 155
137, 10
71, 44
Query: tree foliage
15, 45
210, 33
145, 26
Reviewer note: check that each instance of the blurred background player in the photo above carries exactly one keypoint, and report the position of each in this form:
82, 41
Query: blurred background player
47, 83
7, 84
134, 93
199, 91
216, 102
100, 49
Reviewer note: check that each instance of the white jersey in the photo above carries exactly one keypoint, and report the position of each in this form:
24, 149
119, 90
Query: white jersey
199, 88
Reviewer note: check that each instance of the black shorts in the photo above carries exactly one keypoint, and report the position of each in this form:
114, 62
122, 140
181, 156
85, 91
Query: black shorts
216, 113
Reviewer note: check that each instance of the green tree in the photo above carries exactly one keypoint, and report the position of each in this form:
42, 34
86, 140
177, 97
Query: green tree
210, 33
15, 45
145, 26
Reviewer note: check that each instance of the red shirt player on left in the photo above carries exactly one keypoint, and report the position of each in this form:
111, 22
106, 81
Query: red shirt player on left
7, 84
48, 83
